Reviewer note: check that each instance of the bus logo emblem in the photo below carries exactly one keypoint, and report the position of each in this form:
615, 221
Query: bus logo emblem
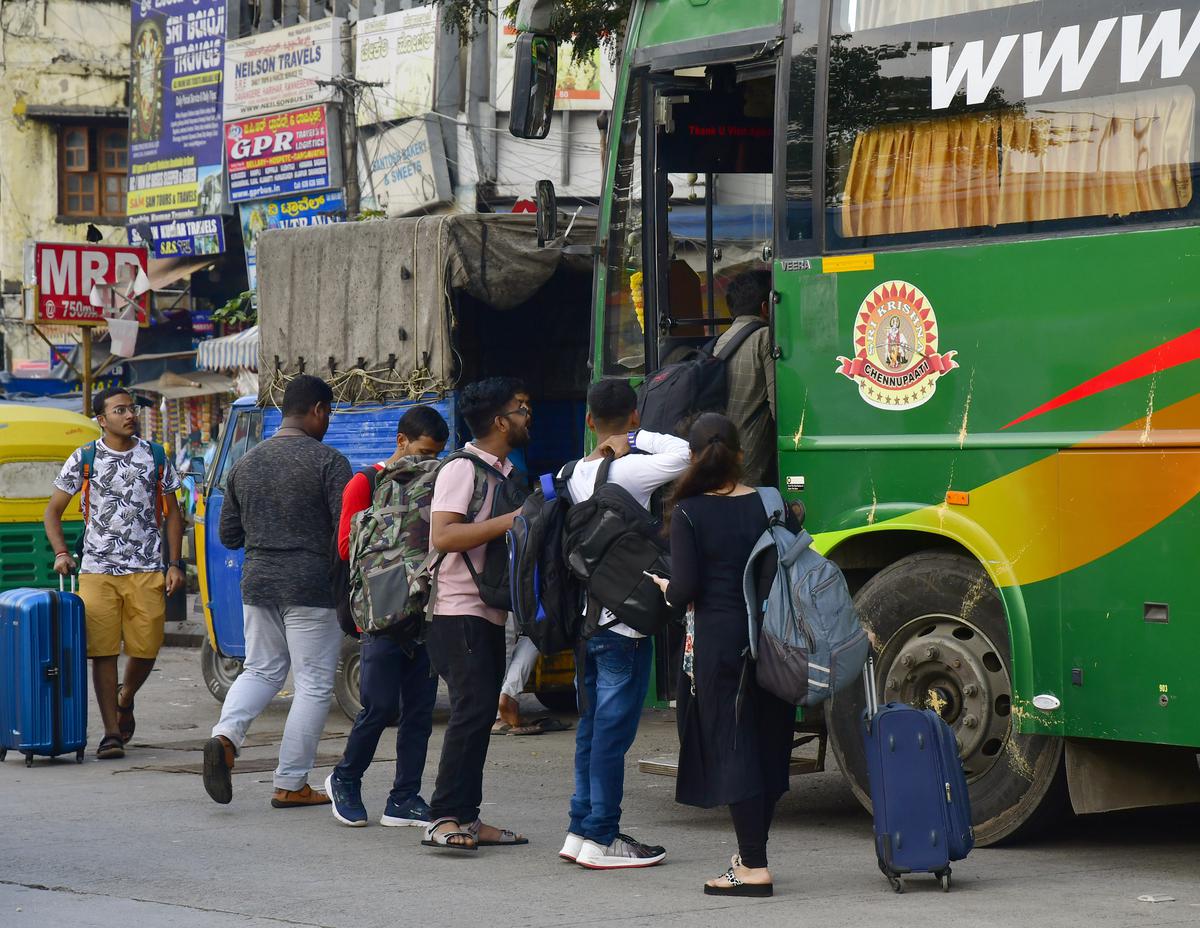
897, 364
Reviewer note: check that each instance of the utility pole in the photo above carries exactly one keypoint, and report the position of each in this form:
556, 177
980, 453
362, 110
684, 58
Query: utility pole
350, 90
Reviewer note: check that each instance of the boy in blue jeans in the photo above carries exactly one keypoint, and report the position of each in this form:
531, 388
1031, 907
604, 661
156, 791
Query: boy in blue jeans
395, 677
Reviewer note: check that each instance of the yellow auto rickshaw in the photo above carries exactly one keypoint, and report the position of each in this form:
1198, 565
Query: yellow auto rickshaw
34, 443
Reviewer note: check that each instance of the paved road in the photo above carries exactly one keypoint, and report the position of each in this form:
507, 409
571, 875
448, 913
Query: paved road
137, 844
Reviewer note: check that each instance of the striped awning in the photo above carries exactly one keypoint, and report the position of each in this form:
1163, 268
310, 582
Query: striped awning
229, 351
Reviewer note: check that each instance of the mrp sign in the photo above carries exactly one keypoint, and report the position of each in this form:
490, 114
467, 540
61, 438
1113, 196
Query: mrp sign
63, 276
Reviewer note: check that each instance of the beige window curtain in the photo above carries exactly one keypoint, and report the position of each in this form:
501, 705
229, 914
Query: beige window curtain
876, 14
1108, 157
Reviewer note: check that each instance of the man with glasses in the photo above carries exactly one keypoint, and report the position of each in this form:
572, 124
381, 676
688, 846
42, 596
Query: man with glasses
466, 637
129, 503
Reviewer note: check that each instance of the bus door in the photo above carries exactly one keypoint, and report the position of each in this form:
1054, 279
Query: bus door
223, 567
709, 168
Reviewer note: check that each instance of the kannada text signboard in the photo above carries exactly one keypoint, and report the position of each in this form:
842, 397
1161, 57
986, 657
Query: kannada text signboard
405, 170
283, 154
63, 275
312, 209
279, 70
397, 50
175, 118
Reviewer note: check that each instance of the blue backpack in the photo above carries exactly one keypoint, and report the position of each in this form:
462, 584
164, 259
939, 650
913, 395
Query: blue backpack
805, 635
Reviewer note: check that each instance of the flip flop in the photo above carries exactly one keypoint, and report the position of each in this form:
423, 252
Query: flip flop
501, 728
732, 886
532, 728
551, 724
507, 838
126, 723
441, 840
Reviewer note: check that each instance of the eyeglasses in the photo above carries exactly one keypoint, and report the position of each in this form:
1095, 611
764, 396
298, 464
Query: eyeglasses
119, 410
519, 411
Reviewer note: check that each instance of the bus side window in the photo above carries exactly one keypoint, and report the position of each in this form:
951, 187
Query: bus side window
924, 148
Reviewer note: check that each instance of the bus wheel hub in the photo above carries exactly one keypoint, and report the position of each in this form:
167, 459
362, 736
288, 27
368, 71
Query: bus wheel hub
948, 665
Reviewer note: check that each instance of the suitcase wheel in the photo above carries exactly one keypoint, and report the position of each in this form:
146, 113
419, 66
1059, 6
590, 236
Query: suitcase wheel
79, 756
944, 879
897, 884
28, 760
3, 754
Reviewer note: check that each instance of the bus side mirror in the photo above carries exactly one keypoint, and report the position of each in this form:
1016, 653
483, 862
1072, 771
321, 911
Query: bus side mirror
535, 76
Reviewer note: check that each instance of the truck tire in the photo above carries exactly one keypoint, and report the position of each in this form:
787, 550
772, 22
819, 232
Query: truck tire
219, 672
346, 683
944, 645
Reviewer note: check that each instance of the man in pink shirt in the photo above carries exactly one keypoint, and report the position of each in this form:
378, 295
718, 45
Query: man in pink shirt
466, 637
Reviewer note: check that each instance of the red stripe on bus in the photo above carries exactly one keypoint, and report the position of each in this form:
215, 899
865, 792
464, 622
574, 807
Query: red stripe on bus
1170, 354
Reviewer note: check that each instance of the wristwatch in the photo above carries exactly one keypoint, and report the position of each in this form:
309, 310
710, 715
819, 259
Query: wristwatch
632, 439
182, 565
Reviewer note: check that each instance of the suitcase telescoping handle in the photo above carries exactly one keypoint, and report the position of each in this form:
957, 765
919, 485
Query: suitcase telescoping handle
869, 686
60, 583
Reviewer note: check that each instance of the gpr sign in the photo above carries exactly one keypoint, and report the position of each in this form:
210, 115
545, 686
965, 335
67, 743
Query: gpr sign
64, 275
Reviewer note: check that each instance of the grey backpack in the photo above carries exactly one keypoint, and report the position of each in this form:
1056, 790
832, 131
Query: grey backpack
805, 636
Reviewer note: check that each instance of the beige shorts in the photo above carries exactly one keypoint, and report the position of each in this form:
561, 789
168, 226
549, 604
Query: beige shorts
130, 608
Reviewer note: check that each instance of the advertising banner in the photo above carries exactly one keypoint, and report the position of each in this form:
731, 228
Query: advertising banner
314, 209
175, 142
181, 238
288, 153
405, 171
397, 50
280, 70
587, 85
65, 273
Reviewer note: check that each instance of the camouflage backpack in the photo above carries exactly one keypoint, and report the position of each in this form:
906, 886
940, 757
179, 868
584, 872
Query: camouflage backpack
390, 574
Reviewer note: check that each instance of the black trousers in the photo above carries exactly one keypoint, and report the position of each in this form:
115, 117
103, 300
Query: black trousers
468, 653
752, 824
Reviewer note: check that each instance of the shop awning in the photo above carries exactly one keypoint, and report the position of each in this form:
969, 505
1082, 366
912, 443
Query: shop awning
184, 386
165, 271
229, 351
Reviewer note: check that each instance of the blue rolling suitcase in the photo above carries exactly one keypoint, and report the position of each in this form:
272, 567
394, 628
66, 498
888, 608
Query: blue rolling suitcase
918, 791
43, 674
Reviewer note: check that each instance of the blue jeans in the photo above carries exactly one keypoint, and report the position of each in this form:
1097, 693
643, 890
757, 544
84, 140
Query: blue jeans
394, 685
615, 677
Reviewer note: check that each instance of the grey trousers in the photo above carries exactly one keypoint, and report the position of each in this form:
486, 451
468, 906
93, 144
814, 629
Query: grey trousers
305, 640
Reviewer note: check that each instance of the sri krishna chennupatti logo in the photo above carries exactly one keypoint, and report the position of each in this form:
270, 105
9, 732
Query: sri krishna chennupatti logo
896, 365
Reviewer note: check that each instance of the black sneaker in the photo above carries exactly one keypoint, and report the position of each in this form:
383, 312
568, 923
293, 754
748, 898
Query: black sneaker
345, 797
623, 854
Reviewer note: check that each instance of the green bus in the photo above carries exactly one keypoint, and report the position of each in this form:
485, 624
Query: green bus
981, 222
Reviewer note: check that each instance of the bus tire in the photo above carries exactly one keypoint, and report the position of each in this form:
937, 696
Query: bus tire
944, 644
218, 671
346, 683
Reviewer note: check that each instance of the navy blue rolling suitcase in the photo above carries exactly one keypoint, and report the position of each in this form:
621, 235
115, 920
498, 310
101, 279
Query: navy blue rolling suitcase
43, 674
918, 790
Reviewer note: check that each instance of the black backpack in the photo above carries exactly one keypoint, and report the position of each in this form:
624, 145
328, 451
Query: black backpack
511, 492
609, 540
547, 599
670, 398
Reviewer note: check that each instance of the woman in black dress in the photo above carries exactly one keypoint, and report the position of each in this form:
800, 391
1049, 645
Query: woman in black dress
735, 738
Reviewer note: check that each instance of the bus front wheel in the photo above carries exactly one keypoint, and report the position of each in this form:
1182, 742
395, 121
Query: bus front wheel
944, 646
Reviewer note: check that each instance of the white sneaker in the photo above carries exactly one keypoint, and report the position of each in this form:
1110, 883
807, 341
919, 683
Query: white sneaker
623, 854
571, 847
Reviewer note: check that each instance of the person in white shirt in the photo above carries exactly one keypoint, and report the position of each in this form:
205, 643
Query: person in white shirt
618, 660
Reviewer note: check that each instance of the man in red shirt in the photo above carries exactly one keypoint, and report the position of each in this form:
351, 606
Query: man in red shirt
395, 679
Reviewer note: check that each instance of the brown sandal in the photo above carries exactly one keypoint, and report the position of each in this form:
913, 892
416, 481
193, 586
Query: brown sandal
126, 723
